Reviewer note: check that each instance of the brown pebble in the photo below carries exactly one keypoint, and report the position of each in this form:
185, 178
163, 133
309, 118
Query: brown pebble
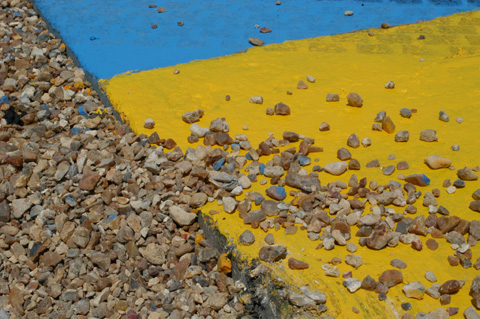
385, 25
180, 23
403, 165
227, 97
450, 287
452, 310
391, 278
431, 244
453, 261
417, 244
355, 310
296, 264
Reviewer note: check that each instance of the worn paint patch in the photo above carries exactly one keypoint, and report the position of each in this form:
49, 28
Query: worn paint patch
113, 37
446, 80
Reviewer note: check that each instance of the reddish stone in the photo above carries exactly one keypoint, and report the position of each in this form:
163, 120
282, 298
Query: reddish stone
16, 161
169, 144
89, 181
391, 278
296, 264
450, 287
453, 261
452, 311
282, 109
154, 139
417, 244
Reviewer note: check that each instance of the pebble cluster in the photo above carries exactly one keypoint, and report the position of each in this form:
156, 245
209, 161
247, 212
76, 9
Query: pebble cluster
329, 214
95, 221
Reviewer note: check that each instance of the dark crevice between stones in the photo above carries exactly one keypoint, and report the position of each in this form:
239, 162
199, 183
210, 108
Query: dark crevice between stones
268, 295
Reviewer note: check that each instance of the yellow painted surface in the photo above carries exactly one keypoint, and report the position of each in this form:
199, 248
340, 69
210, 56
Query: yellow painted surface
448, 79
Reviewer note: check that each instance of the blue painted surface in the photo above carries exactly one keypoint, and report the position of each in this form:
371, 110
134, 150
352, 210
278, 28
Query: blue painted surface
113, 37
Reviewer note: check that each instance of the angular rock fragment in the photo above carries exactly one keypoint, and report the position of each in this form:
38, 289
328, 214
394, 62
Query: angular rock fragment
354, 100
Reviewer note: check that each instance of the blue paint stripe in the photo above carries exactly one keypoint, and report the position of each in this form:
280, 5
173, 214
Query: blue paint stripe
113, 37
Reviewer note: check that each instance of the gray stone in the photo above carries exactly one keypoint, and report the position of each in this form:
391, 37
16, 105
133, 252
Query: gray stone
442, 116
82, 307
406, 113
428, 135
256, 100
247, 238
300, 300
229, 204
20, 206
380, 116
333, 97
402, 136
336, 168
430, 276
4, 211
352, 284
354, 261
182, 217
471, 313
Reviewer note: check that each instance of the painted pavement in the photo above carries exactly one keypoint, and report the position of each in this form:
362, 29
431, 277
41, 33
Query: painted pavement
439, 72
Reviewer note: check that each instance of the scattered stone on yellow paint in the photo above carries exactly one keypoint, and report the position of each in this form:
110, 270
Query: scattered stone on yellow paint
224, 264
446, 79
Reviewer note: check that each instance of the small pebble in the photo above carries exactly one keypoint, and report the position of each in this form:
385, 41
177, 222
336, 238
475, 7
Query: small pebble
430, 276
406, 113
390, 85
443, 116
406, 306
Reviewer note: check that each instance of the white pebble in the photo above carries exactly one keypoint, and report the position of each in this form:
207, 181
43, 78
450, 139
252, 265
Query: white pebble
451, 189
